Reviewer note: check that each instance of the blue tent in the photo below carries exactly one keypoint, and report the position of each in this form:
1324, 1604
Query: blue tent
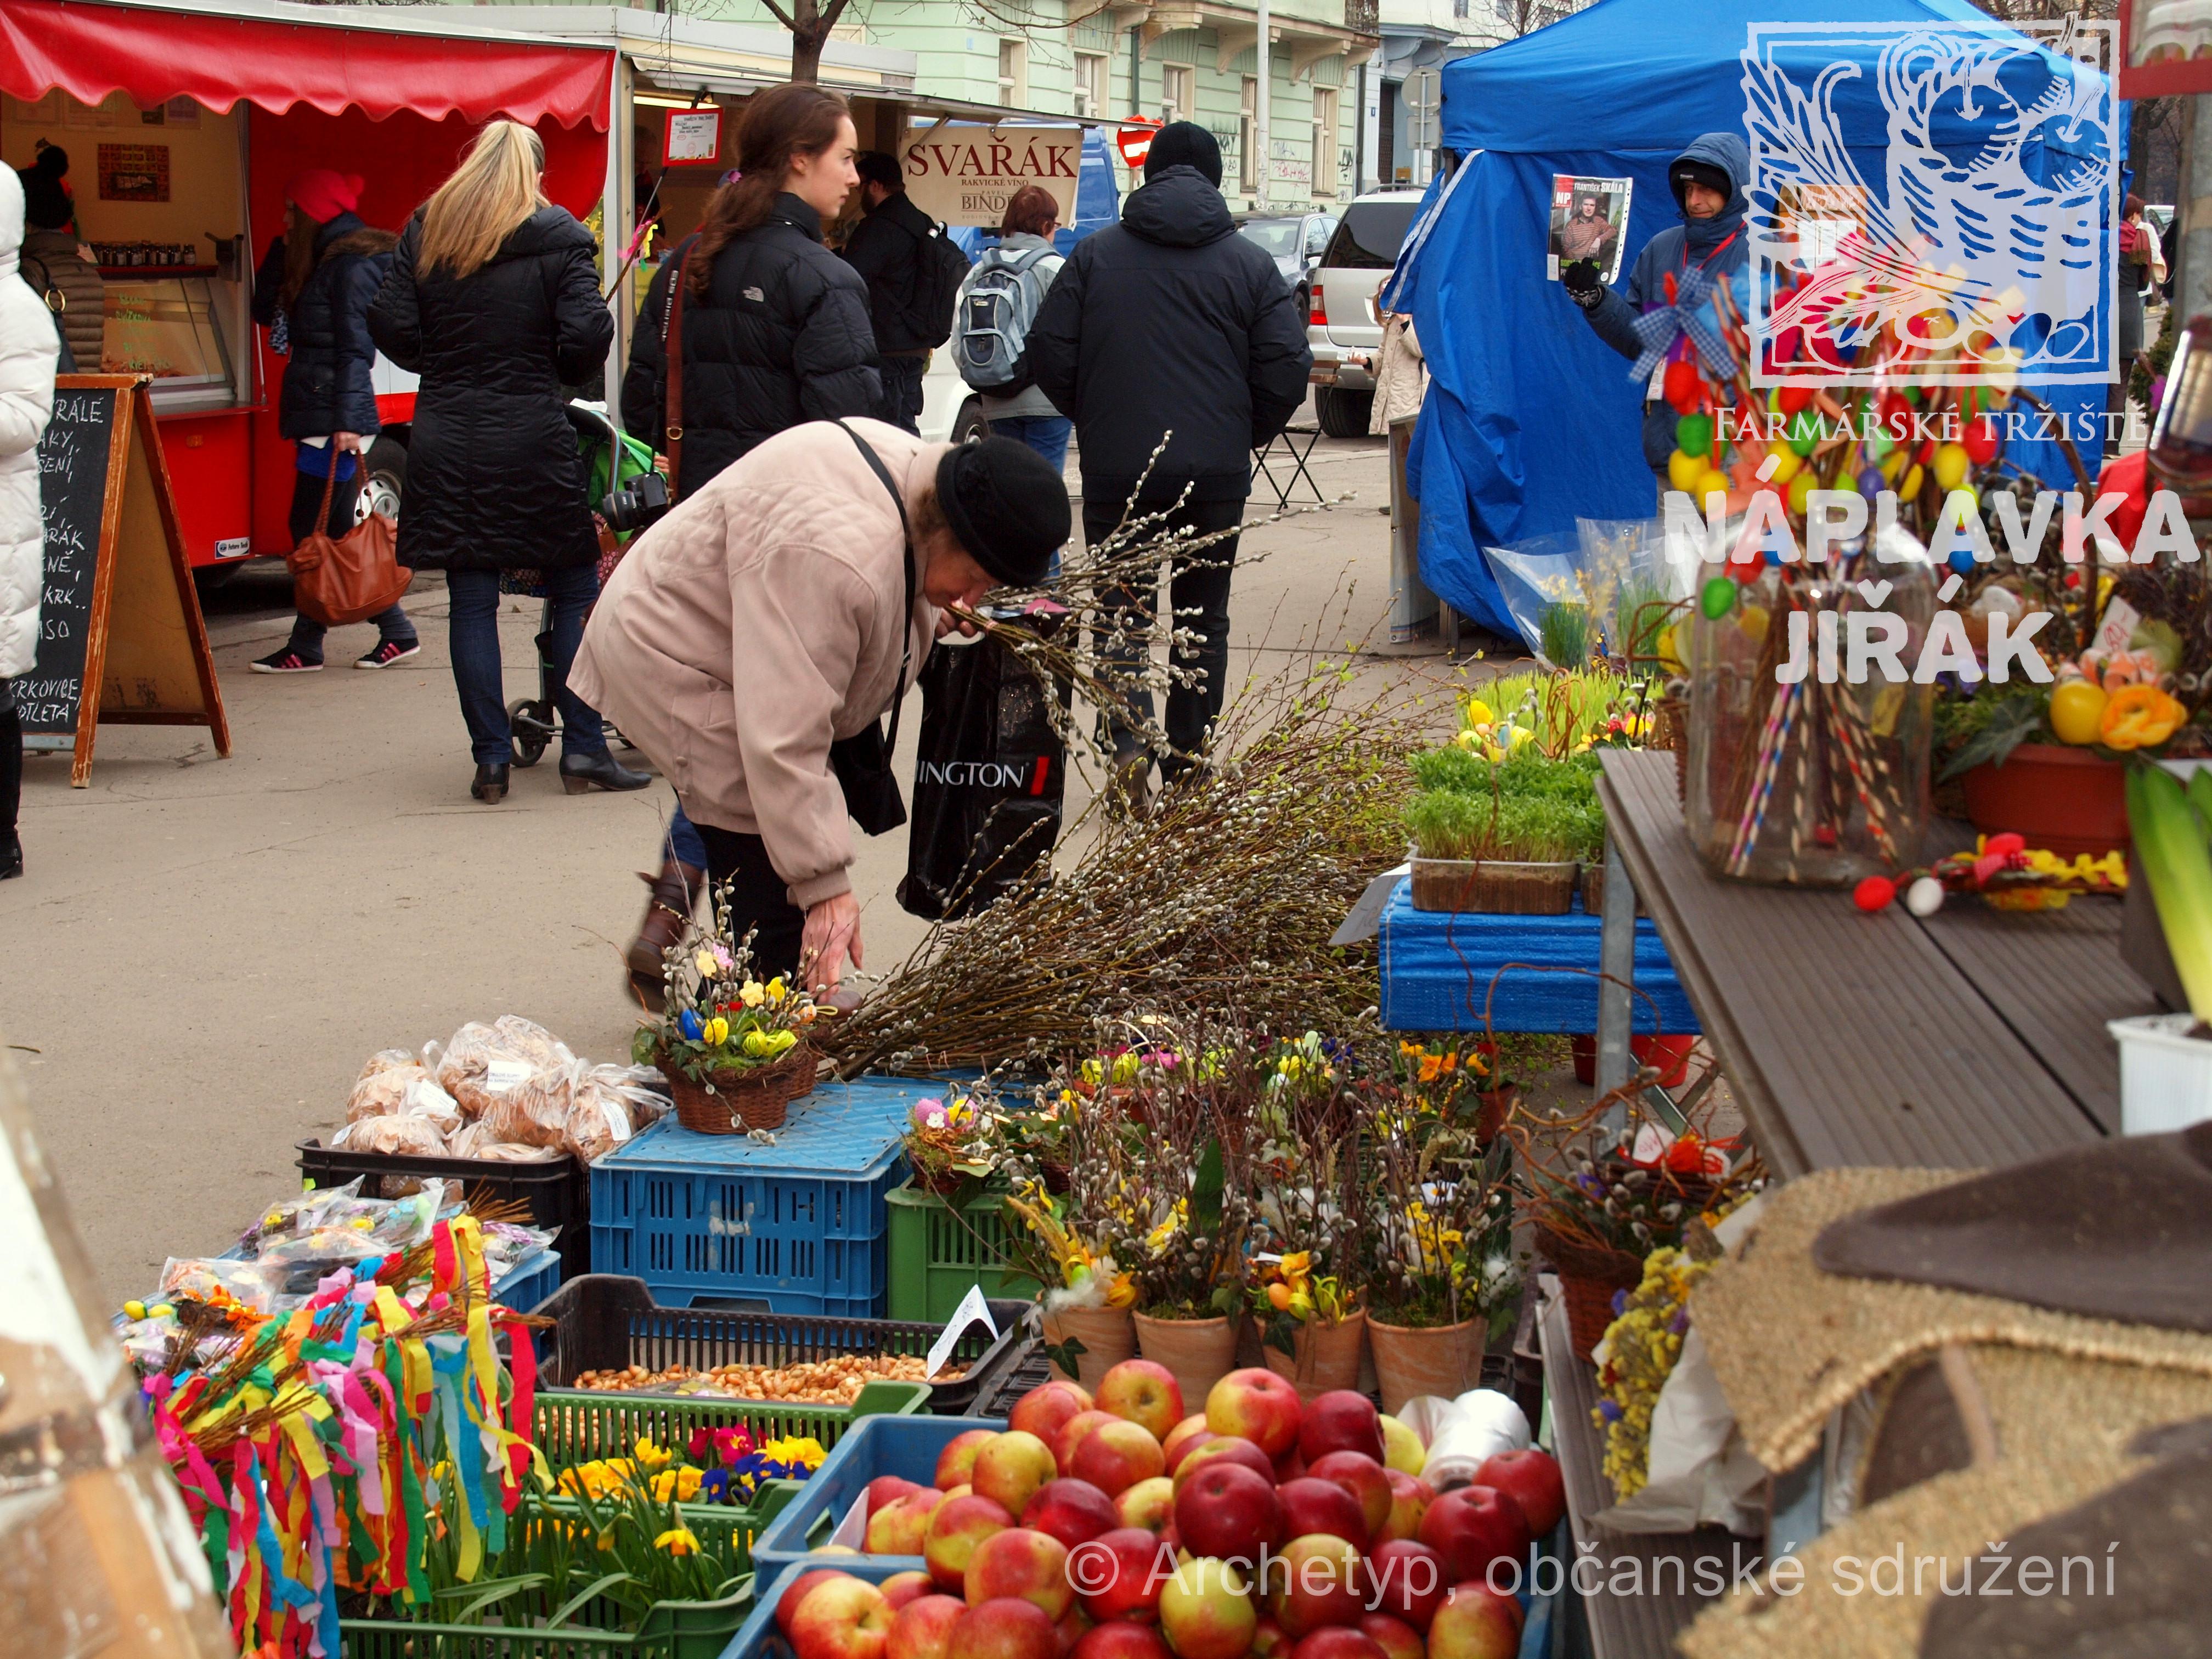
1531, 420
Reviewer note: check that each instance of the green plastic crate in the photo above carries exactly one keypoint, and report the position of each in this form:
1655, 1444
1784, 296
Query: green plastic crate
673, 1630
937, 1256
572, 1426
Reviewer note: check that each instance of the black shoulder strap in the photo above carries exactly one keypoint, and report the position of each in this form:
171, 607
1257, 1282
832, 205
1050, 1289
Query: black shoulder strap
906, 619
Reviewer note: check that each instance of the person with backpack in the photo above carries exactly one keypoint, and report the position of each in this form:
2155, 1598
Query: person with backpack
998, 302
914, 271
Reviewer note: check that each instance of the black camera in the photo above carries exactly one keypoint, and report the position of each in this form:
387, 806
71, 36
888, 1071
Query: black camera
634, 508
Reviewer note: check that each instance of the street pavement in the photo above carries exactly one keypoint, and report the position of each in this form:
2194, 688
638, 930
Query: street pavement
204, 950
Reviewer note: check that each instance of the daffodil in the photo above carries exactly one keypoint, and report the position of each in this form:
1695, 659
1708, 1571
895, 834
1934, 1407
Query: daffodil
650, 1456
777, 990
677, 1541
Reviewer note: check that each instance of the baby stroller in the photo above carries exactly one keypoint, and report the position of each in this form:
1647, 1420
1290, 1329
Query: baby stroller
612, 460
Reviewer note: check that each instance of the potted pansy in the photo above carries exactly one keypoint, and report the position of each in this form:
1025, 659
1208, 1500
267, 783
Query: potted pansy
944, 1147
731, 1044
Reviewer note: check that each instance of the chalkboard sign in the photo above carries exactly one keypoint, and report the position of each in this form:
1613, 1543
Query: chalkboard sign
74, 463
120, 635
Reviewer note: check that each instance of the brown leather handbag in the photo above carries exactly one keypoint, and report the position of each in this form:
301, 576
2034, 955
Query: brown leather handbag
348, 578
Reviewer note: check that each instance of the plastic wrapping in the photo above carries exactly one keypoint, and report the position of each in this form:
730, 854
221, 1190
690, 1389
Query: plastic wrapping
406, 1089
483, 1063
608, 1104
1618, 573
396, 1133
387, 1060
474, 1142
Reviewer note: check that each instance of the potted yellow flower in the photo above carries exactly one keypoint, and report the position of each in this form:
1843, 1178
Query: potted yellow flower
1087, 1326
731, 1045
1311, 1329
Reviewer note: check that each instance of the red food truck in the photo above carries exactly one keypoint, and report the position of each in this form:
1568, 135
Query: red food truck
182, 126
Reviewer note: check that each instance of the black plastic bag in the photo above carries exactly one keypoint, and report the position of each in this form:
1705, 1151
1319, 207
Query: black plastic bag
987, 780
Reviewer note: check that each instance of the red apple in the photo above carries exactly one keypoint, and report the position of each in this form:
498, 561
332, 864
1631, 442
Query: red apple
1337, 1641
902, 1587
1025, 1562
1122, 1640
843, 1618
1533, 1478
1072, 1434
1119, 1574
1008, 1628
1143, 1391
900, 1528
1315, 1581
1340, 1420
1397, 1638
1472, 1526
1236, 1448
1268, 1640
1406, 1579
1290, 1467
1116, 1454
1206, 1611
1361, 1476
887, 1489
958, 1526
1410, 1498
1312, 1505
955, 1463
1475, 1622
798, 1592
1074, 1625
922, 1628
1258, 1405
1012, 1468
1043, 1410
1185, 1435
1074, 1511
1226, 1509
1148, 1503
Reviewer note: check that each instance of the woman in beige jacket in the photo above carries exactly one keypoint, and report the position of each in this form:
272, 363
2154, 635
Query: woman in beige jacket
767, 616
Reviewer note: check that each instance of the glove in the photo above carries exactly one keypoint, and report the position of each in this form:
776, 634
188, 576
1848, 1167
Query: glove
1579, 277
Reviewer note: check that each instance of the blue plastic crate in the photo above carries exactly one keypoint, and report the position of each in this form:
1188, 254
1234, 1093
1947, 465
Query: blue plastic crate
530, 1281
905, 1446
798, 1226
758, 1637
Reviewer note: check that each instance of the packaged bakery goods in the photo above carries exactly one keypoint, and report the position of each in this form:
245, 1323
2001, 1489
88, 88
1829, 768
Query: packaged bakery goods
395, 1135
402, 1090
483, 1063
476, 1141
387, 1060
608, 1104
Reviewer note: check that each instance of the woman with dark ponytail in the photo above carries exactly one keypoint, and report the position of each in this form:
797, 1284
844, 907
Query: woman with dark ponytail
775, 326
774, 333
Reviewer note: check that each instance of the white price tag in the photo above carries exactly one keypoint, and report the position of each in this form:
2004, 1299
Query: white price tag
504, 1076
972, 1308
2120, 622
617, 1121
852, 1529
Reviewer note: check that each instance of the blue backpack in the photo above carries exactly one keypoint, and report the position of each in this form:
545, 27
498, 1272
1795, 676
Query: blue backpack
1000, 302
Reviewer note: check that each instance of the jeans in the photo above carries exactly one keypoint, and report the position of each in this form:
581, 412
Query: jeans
475, 640
684, 845
1048, 435
758, 899
1198, 591
307, 497
902, 378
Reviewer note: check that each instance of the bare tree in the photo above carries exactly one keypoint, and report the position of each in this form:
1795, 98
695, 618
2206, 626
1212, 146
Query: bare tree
810, 23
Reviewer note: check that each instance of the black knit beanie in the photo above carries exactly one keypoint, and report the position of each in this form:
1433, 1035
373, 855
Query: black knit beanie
1683, 174
1184, 143
1008, 507
47, 205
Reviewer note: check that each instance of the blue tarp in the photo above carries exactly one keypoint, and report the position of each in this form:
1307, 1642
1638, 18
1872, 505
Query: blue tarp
1531, 420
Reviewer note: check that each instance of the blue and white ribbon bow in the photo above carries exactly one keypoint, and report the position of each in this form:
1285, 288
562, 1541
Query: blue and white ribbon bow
1657, 331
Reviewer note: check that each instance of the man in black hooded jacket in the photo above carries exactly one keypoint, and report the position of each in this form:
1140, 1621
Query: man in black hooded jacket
1170, 323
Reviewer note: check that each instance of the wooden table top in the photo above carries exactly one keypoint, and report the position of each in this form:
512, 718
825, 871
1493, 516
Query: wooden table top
1972, 1039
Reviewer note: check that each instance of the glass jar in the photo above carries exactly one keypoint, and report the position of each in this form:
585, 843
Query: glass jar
1813, 780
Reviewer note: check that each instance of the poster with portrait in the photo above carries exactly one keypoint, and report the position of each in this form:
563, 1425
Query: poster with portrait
1588, 216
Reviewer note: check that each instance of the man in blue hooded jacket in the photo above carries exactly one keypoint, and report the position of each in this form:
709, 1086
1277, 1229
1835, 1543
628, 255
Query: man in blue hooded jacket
1707, 180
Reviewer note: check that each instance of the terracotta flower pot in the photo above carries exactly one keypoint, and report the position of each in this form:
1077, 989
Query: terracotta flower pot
2064, 801
1445, 1360
1200, 1351
1328, 1357
1106, 1335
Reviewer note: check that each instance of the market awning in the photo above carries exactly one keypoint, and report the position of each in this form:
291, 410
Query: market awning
91, 50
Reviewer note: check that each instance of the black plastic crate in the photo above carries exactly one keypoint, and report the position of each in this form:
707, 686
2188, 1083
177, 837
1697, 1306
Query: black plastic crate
558, 1190
603, 1321
1029, 1368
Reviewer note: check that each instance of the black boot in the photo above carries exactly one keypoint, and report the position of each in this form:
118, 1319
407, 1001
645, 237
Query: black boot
11, 792
490, 784
582, 773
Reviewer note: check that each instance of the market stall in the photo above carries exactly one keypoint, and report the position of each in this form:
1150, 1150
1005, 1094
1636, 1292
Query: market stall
182, 125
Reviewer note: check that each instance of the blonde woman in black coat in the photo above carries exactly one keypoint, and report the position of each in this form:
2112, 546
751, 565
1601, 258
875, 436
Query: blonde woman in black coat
494, 299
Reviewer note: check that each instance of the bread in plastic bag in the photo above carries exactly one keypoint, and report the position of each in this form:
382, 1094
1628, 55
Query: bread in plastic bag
608, 1104
476, 1142
386, 1060
408, 1089
408, 1134
483, 1063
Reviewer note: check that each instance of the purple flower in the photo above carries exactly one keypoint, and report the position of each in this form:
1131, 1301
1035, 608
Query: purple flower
929, 1113
1619, 1303
1609, 1411
1680, 1322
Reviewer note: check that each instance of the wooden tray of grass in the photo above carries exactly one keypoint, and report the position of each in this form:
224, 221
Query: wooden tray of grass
1513, 854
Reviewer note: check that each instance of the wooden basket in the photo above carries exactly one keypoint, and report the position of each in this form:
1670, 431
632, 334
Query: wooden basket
738, 1101
1589, 1278
1495, 886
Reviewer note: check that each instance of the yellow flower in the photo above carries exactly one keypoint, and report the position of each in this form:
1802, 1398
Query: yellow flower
706, 964
1121, 1292
752, 993
650, 1456
776, 989
687, 1485
664, 1486
677, 1541
715, 1032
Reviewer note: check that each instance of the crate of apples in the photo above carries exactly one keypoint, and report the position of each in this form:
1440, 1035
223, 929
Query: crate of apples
1120, 1528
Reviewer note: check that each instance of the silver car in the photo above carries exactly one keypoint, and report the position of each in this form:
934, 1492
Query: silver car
1343, 326
1295, 241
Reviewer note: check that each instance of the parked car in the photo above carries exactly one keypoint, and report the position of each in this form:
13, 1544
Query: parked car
1342, 323
1295, 241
